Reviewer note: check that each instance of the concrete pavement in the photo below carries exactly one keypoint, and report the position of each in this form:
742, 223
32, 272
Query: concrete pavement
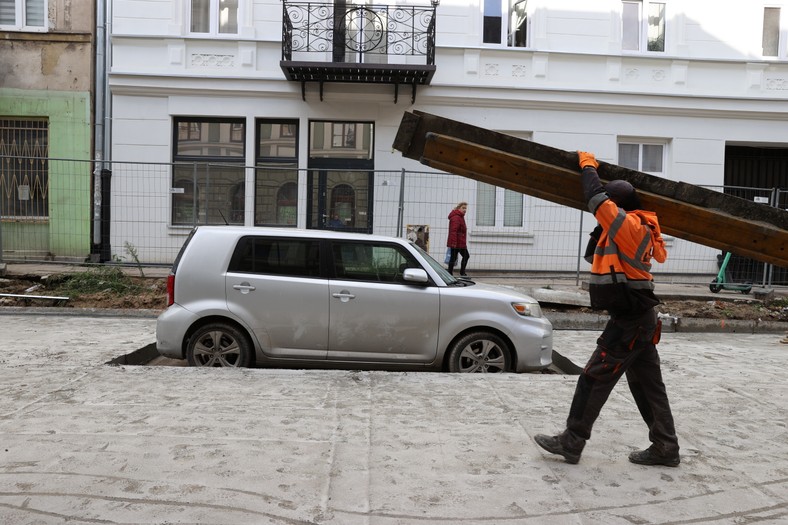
84, 442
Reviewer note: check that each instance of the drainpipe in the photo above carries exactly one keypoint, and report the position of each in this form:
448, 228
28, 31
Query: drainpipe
101, 144
2, 264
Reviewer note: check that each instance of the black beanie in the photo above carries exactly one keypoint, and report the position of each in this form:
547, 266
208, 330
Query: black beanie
623, 194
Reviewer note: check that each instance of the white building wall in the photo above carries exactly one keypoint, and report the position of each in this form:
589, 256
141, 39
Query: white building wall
573, 88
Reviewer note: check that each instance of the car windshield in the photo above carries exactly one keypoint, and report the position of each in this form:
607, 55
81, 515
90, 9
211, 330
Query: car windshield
438, 267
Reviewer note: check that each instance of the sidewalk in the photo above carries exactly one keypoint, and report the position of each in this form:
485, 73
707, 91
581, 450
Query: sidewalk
85, 442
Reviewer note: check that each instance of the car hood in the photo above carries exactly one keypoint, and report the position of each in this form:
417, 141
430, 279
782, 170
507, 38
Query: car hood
489, 290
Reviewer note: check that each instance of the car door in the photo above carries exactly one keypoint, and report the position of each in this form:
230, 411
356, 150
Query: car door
274, 285
374, 315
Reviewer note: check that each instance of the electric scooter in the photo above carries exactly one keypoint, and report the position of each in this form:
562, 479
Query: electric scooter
722, 281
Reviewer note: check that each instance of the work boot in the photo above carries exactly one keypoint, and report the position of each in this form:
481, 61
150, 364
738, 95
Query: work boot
553, 445
651, 457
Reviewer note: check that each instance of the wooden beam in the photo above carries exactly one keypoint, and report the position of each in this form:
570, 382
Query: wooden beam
685, 211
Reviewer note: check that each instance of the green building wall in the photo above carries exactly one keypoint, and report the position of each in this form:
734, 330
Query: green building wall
66, 235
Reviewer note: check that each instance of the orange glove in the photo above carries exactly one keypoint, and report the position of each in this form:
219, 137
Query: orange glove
587, 159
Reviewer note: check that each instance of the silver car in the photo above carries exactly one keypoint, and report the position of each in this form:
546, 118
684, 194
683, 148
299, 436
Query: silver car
241, 296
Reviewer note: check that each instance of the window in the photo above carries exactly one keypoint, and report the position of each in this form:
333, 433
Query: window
489, 214
275, 256
371, 262
276, 175
643, 26
645, 157
343, 135
24, 169
341, 140
29, 15
214, 16
509, 16
518, 22
208, 184
771, 31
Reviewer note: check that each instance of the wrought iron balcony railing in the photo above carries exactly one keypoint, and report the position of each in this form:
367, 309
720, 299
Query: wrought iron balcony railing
360, 43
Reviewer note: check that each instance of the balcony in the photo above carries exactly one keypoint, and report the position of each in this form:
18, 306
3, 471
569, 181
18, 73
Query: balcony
371, 44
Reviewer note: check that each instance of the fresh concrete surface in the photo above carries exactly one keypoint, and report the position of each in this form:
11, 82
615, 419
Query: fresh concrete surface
85, 442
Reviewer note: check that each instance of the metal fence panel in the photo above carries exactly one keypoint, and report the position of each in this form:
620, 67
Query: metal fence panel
153, 206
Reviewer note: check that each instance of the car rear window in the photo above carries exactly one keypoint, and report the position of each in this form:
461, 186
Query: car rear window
277, 256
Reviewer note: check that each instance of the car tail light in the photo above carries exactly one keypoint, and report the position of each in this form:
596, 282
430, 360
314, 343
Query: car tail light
170, 289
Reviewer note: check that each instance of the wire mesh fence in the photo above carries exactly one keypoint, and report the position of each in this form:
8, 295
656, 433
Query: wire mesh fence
140, 213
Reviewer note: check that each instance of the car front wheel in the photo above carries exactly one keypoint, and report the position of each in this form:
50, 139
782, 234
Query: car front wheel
219, 344
479, 352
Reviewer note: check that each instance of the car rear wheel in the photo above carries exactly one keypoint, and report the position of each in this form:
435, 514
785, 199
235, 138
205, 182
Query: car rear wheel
219, 344
479, 352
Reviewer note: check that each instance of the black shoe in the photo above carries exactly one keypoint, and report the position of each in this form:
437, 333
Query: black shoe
553, 445
463, 275
651, 457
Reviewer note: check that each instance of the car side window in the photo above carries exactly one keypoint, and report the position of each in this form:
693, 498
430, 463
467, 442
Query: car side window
276, 256
371, 262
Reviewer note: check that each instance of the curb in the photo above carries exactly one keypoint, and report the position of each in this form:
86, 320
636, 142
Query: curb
584, 321
79, 312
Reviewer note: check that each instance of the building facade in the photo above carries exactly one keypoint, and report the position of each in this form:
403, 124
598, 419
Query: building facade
46, 81
275, 113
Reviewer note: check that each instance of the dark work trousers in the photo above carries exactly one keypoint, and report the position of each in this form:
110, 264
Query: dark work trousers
453, 260
627, 345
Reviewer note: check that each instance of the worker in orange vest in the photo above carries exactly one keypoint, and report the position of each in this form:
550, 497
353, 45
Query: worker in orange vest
622, 247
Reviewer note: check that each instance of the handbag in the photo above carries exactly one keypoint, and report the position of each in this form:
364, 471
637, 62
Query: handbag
447, 257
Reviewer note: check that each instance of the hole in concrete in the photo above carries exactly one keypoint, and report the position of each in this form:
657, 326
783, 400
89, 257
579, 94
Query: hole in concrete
149, 356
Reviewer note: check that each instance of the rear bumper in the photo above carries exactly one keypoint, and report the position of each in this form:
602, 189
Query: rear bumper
171, 328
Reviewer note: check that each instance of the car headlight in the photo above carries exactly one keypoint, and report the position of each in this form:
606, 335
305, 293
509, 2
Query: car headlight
528, 309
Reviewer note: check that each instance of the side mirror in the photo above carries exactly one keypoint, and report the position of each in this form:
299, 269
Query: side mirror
415, 275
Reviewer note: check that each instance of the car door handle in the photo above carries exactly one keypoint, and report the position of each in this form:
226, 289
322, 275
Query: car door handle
244, 287
343, 296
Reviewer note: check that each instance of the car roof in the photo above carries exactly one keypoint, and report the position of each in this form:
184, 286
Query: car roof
239, 231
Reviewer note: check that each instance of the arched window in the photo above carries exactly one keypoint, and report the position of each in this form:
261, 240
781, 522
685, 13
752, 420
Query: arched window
237, 198
287, 204
343, 204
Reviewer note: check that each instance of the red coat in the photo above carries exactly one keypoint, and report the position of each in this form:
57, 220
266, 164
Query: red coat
457, 230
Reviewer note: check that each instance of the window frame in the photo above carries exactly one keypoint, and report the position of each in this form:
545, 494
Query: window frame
506, 37
207, 160
499, 212
213, 19
10, 173
641, 143
643, 26
289, 129
20, 18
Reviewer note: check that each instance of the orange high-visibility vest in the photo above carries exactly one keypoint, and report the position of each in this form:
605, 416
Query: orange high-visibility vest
628, 243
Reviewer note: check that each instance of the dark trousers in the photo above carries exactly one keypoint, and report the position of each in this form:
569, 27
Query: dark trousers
627, 345
453, 260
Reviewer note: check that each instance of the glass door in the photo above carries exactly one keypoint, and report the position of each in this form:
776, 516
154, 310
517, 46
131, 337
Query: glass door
340, 200
340, 179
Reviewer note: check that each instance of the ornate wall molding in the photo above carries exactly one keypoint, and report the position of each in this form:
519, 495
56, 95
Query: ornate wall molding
212, 60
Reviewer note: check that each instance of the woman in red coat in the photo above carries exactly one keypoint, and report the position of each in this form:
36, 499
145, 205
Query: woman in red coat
457, 238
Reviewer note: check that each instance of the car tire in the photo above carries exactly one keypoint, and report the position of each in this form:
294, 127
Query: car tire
219, 344
479, 352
